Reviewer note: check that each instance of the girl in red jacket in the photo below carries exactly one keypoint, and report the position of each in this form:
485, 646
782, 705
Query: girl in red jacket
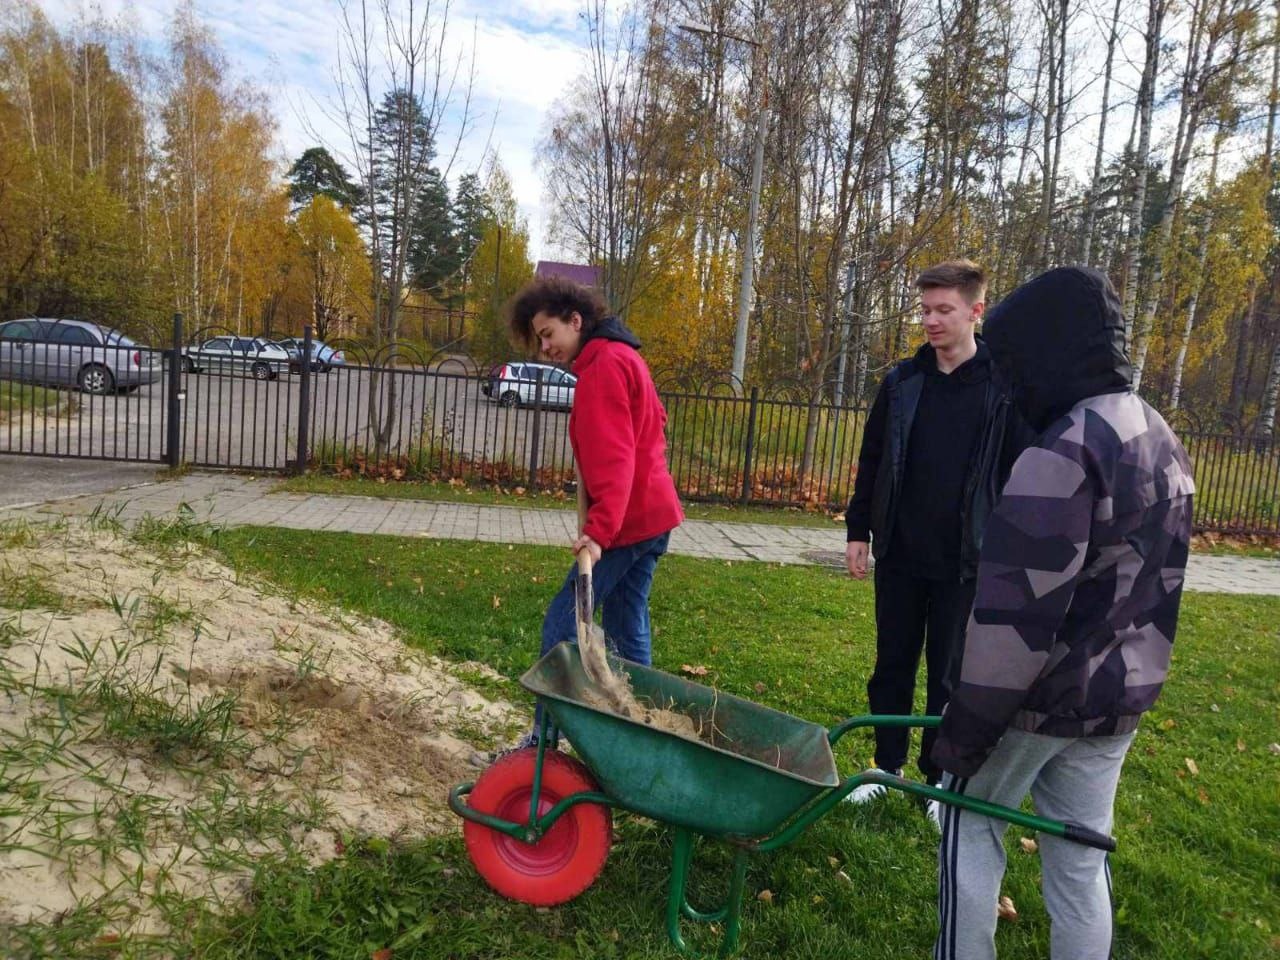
619, 445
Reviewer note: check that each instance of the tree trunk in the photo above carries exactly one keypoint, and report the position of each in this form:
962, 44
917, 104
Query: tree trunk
1202, 256
1095, 184
1143, 109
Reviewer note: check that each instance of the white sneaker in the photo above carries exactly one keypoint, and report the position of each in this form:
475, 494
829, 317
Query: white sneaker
870, 791
933, 810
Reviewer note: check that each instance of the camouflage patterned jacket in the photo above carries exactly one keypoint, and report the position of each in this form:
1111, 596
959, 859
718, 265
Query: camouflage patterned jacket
1078, 586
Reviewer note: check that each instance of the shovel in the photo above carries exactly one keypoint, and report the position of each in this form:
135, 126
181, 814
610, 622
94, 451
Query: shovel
590, 645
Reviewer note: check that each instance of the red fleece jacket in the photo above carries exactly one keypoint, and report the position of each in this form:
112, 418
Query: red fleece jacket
617, 431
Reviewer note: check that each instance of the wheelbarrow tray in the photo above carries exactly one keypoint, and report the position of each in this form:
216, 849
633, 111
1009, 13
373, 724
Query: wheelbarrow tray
763, 766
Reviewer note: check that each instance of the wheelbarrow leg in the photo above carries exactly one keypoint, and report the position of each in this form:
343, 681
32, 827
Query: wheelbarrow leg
678, 905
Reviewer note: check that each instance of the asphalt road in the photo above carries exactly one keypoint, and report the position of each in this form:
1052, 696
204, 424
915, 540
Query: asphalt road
28, 480
234, 421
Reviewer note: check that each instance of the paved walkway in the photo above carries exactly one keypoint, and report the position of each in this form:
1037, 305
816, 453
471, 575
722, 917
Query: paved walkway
239, 500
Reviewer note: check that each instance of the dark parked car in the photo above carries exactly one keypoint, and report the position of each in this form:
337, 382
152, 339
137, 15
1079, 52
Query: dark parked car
254, 356
323, 357
514, 384
75, 353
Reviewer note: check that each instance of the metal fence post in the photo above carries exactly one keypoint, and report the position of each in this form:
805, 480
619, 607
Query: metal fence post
536, 445
173, 442
304, 399
749, 453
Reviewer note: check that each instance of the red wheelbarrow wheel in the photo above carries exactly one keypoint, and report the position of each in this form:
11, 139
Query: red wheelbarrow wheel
569, 856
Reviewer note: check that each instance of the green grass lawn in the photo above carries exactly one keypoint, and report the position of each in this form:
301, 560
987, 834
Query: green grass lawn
16, 398
1196, 874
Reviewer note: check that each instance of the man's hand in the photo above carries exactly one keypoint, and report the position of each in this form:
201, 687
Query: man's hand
589, 545
855, 557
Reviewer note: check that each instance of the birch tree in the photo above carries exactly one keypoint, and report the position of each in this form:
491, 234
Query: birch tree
401, 78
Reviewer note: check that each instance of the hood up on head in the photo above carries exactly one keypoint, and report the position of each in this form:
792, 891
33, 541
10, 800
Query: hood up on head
1059, 339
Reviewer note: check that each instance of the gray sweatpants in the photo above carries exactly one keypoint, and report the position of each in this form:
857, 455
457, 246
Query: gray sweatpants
1069, 779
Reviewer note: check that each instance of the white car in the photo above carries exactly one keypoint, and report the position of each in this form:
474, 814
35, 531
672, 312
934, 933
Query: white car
514, 385
259, 358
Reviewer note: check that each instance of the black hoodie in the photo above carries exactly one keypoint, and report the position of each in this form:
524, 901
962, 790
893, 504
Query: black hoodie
953, 494
1058, 339
611, 328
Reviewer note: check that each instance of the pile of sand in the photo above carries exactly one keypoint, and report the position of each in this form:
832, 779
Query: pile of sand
283, 727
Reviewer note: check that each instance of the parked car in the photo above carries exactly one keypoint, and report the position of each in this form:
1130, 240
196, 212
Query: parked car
75, 353
252, 356
514, 384
323, 357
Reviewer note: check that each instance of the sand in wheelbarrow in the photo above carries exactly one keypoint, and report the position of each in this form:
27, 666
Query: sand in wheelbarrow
613, 694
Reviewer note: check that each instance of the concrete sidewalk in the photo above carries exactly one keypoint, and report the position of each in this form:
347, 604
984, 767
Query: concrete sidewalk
239, 500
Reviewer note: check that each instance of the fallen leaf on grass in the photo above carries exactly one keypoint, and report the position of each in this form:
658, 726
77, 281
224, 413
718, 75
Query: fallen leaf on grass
383, 954
845, 877
1005, 910
760, 686
1028, 845
1274, 748
497, 601
697, 670
1168, 724
765, 896
1203, 797
1240, 746
835, 862
1191, 765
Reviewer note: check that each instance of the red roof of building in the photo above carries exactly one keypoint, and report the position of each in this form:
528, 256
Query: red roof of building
581, 273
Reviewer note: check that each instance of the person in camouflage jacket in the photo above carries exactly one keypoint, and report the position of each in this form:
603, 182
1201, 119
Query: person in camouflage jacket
1079, 584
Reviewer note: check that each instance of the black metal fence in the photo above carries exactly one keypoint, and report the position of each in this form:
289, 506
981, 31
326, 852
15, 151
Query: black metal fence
1237, 474
399, 413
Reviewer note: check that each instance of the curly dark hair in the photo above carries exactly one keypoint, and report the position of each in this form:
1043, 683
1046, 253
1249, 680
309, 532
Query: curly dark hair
557, 297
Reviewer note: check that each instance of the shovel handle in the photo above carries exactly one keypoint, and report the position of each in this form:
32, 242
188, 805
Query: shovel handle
584, 594
582, 497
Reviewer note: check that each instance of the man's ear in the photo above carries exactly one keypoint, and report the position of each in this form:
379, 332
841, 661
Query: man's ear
979, 309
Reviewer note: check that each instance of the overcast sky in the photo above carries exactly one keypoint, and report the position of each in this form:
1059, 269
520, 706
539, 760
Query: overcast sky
526, 52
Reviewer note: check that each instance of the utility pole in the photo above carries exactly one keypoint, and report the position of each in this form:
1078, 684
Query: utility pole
760, 87
842, 357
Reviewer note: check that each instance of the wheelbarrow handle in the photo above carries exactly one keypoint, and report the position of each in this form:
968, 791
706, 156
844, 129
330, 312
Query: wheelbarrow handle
1090, 838
879, 720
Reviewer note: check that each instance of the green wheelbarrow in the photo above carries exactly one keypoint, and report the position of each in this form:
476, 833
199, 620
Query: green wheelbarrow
538, 824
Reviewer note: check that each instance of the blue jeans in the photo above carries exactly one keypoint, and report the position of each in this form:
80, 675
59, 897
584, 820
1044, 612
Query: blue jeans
620, 581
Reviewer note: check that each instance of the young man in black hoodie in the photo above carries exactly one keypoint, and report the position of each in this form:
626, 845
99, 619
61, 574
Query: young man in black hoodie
935, 452
1072, 632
